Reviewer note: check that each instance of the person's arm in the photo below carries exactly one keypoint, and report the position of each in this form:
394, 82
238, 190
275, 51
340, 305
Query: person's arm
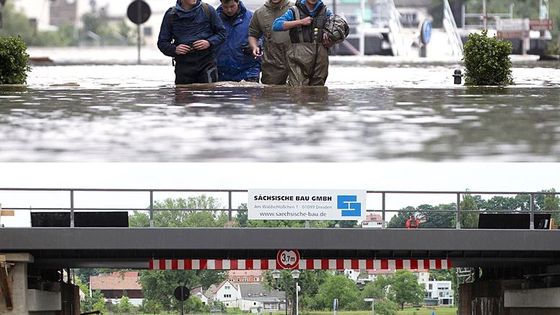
287, 21
219, 29
165, 37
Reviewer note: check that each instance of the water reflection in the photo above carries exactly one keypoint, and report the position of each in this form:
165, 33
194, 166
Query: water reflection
251, 122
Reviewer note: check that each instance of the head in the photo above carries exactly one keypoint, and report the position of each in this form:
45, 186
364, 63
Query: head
188, 3
230, 7
311, 2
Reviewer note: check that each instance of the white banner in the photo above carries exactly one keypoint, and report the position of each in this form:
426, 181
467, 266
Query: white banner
296, 204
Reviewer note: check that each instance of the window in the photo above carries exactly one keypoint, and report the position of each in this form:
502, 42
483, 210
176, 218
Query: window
227, 287
429, 286
227, 295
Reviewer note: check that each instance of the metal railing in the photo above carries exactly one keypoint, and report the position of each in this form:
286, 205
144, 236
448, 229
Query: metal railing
451, 29
383, 197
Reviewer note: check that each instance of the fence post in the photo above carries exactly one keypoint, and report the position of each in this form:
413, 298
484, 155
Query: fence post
71, 208
531, 211
458, 214
229, 206
384, 224
151, 208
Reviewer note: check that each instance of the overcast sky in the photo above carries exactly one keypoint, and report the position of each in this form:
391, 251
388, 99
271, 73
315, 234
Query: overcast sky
366, 176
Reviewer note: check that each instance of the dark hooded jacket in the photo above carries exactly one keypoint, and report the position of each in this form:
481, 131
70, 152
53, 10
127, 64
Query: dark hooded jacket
188, 26
274, 63
233, 64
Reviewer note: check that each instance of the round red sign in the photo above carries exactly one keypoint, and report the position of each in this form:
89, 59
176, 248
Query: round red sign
287, 259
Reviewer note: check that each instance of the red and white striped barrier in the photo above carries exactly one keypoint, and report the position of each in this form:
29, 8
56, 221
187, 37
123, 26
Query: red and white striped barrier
304, 264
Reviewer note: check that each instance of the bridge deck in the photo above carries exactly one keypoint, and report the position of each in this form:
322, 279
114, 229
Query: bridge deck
133, 247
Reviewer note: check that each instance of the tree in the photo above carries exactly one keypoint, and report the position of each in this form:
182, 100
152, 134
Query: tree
124, 305
96, 303
385, 307
469, 211
158, 286
341, 288
405, 288
183, 217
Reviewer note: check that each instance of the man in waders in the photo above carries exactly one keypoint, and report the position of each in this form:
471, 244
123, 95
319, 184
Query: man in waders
274, 64
189, 33
235, 58
308, 59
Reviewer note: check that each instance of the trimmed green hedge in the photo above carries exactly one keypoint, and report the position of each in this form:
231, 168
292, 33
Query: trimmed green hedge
13, 60
487, 60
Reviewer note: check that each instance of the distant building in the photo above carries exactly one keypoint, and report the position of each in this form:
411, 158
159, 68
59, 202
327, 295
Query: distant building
199, 293
245, 276
118, 284
255, 298
437, 292
228, 293
373, 220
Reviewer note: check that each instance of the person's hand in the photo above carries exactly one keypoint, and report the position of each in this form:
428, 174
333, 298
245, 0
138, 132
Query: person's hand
201, 44
182, 49
306, 21
327, 42
257, 52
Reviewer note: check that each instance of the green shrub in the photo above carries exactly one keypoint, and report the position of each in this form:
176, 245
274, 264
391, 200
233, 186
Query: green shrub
13, 60
487, 60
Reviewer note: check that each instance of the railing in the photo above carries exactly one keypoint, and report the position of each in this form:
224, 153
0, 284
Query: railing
451, 29
395, 31
379, 197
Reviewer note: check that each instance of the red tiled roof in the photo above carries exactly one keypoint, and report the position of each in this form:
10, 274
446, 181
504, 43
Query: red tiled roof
116, 281
244, 273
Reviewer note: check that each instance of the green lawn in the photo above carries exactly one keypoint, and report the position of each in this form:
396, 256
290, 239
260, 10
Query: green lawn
428, 311
406, 311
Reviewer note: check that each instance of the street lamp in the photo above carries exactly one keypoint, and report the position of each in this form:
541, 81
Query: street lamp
276, 276
295, 275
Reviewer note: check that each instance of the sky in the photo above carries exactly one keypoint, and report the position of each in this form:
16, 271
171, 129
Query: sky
363, 176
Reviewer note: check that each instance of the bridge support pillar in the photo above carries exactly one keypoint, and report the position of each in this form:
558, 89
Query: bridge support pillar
13, 283
507, 297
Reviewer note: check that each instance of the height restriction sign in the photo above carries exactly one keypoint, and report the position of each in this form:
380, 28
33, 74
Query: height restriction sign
287, 259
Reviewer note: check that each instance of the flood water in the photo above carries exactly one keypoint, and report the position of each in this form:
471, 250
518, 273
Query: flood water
367, 112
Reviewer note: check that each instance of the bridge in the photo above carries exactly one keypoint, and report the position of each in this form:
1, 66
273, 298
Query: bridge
528, 257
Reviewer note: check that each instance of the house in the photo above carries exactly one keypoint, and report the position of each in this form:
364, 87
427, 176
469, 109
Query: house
115, 285
439, 291
245, 276
255, 298
199, 293
373, 220
227, 293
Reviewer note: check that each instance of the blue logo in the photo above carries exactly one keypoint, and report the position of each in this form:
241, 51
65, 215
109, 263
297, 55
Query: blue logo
349, 206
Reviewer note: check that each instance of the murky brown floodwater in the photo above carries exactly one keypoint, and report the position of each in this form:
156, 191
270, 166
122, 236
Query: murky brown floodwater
367, 113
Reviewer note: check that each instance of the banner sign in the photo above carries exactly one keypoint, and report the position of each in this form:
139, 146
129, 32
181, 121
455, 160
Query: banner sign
294, 204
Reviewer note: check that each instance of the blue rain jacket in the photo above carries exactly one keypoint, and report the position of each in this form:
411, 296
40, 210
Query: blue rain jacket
278, 24
188, 27
233, 64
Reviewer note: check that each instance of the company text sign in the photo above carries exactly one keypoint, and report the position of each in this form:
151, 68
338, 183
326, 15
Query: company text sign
295, 204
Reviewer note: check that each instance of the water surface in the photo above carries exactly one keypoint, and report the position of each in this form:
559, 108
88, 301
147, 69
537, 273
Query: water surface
366, 113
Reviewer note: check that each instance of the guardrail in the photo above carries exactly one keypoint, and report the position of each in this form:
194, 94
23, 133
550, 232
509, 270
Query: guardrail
381, 196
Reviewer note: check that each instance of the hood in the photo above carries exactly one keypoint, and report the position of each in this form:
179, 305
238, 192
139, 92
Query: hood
281, 4
303, 2
182, 11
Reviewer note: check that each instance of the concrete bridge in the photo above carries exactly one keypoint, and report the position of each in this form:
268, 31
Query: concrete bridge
512, 271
